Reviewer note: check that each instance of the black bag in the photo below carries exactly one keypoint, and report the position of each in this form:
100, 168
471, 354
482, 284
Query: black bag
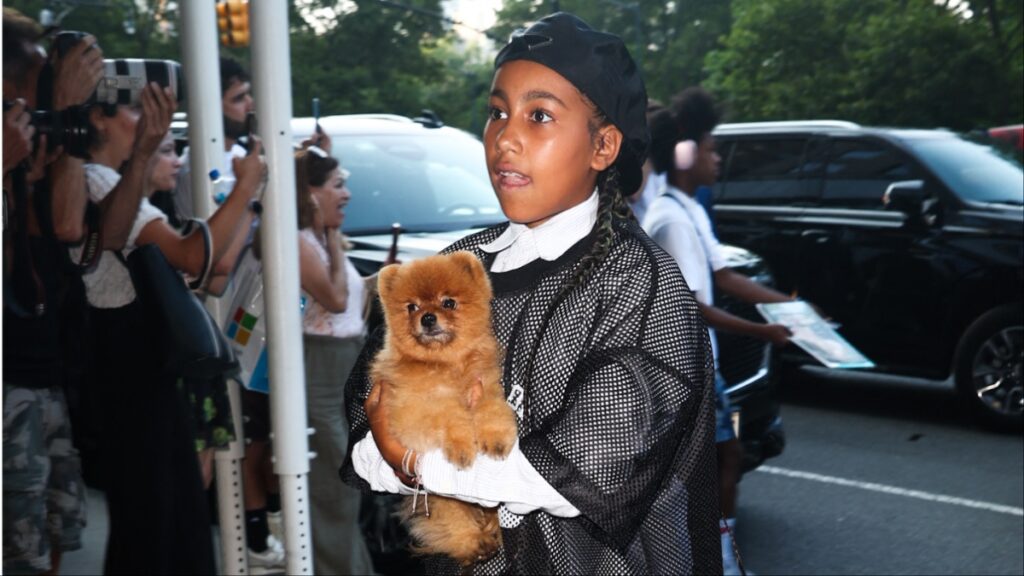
195, 345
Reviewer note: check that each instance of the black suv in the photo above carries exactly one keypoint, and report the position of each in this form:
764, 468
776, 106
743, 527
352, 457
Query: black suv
433, 181
910, 239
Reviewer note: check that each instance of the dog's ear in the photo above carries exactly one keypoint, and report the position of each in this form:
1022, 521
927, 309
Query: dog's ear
470, 264
386, 281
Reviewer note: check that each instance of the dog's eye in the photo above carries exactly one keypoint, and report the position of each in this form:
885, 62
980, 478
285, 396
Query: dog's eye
448, 303
411, 307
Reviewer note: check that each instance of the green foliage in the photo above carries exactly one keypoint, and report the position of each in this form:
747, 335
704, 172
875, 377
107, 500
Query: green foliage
909, 63
124, 28
668, 39
949, 63
373, 59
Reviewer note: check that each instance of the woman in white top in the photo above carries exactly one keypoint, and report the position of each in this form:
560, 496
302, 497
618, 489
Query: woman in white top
157, 507
334, 332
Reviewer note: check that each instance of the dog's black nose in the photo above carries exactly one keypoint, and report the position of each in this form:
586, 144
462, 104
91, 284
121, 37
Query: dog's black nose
428, 320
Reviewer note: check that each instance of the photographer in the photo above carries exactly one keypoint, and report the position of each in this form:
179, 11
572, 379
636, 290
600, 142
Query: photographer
44, 205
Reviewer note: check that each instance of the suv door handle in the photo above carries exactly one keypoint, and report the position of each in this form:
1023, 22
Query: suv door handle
817, 235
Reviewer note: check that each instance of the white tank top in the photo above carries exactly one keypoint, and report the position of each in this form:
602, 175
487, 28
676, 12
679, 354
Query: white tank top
317, 319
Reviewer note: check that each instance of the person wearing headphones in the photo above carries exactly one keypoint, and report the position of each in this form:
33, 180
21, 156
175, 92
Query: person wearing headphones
683, 151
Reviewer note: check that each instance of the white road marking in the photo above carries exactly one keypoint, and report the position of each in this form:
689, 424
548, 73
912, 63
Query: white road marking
894, 490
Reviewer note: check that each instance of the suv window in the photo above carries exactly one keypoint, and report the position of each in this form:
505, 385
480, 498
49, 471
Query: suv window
764, 170
972, 171
859, 171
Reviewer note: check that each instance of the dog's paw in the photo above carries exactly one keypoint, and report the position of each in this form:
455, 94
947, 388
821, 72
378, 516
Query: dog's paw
496, 440
460, 451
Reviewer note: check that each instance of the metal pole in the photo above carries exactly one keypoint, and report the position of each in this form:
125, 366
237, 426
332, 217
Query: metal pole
230, 497
271, 69
206, 151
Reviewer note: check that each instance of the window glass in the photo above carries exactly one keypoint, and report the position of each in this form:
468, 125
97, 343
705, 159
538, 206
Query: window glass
972, 171
765, 170
859, 171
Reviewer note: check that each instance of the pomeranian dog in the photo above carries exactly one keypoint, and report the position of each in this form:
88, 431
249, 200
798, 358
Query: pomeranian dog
442, 368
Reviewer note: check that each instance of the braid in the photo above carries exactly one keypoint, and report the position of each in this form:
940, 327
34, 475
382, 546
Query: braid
611, 206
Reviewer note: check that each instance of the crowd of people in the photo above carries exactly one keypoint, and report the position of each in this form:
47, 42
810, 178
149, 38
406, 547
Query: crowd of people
627, 459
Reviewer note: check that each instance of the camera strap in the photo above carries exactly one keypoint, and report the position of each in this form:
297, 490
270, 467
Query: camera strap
93, 237
20, 292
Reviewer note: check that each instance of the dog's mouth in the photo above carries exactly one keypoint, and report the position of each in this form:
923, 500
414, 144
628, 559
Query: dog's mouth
434, 335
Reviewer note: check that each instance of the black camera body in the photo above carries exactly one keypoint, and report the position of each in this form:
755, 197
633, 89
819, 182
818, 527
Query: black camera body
69, 128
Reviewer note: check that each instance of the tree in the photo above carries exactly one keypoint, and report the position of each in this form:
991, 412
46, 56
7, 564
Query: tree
667, 39
786, 59
124, 28
920, 65
909, 63
367, 58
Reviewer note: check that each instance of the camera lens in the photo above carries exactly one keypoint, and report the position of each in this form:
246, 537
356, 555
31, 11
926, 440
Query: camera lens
124, 79
68, 128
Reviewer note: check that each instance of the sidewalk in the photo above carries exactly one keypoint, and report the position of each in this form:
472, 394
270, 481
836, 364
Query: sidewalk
89, 559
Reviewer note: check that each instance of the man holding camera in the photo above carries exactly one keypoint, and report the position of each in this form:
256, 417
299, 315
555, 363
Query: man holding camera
46, 207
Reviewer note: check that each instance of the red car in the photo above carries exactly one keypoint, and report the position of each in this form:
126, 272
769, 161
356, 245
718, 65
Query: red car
1012, 134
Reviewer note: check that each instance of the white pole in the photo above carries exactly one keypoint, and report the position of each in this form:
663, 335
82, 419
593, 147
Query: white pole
206, 152
271, 70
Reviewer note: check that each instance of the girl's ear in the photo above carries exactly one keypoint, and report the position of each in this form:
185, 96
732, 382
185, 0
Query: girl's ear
607, 143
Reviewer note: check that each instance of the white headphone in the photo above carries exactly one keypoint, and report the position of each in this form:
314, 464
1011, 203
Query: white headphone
685, 154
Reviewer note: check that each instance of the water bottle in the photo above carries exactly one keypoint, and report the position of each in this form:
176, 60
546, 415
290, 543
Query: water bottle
222, 186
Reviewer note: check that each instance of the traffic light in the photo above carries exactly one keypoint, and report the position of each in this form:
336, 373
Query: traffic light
233, 22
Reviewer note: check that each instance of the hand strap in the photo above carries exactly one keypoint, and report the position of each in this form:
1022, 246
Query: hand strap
200, 281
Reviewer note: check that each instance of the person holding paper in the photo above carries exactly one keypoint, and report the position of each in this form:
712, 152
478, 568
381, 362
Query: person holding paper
683, 151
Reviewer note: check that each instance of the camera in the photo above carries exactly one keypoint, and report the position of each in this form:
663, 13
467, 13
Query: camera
122, 82
124, 79
69, 128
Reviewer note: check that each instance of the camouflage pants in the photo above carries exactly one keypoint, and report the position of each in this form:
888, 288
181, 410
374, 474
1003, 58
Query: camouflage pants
44, 496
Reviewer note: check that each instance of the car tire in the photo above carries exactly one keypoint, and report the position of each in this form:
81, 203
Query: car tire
988, 367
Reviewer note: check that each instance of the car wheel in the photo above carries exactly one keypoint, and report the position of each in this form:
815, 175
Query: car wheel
989, 363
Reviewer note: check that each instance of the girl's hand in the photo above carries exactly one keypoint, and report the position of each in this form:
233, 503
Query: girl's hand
777, 334
250, 170
333, 237
318, 215
390, 448
158, 106
319, 139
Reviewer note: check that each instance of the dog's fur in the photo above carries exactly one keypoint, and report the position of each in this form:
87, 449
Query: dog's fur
444, 390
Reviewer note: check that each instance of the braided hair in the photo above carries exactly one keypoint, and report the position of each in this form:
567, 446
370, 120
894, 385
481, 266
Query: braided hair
611, 207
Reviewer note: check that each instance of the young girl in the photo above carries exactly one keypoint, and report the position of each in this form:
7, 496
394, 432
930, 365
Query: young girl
607, 361
156, 505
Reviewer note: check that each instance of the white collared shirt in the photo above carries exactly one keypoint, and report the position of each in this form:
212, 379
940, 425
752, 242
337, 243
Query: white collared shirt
519, 244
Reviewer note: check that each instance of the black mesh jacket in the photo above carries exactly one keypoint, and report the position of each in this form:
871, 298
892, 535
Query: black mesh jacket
618, 413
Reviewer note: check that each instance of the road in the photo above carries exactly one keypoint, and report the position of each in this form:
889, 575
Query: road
876, 480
